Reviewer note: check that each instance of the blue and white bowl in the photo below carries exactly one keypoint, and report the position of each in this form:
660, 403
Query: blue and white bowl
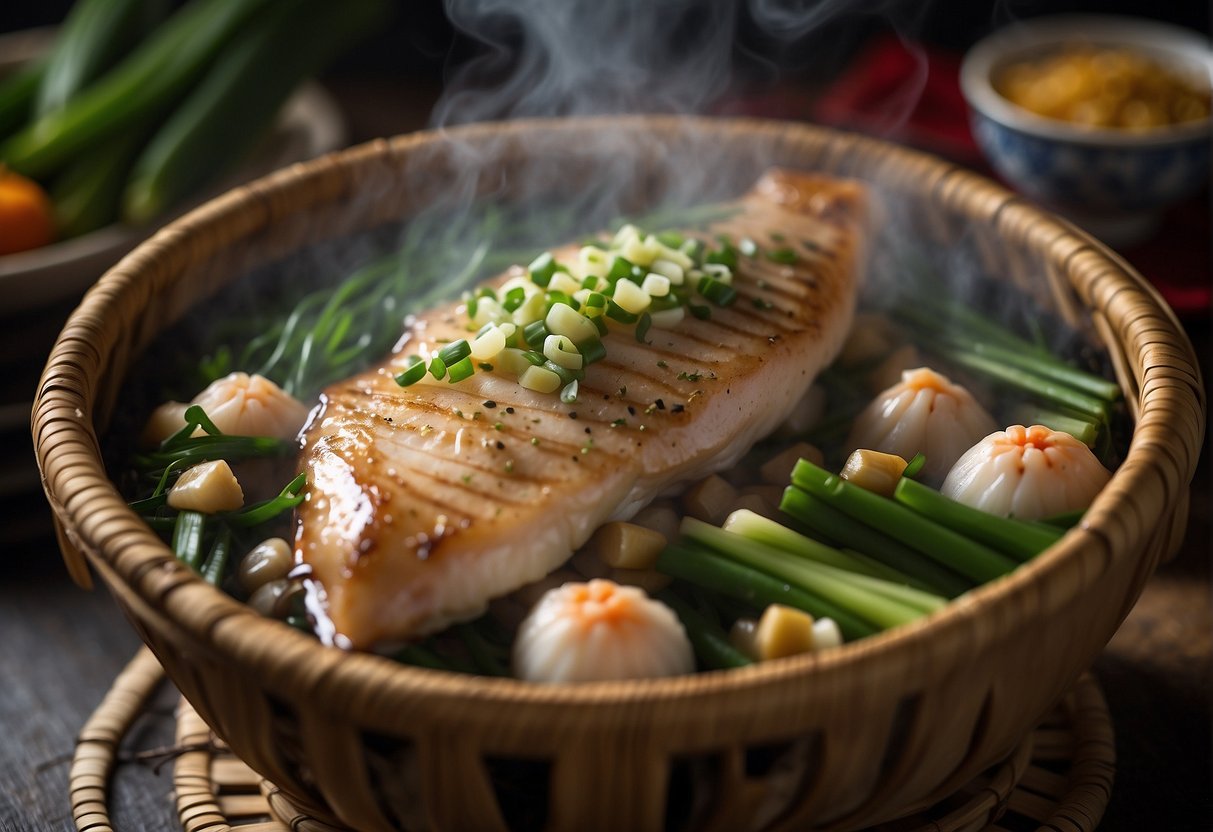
1113, 182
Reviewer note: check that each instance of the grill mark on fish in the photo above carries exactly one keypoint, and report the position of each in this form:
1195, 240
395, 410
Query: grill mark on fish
426, 533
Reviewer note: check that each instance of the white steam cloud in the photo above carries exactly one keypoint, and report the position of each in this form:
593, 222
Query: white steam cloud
573, 57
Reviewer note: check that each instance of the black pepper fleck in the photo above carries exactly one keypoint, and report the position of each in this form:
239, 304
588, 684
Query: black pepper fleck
572, 414
490, 404
677, 408
660, 404
509, 410
631, 410
500, 445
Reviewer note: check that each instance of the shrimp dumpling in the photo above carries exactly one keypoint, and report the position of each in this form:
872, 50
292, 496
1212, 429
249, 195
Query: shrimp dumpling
252, 405
924, 413
1028, 473
597, 631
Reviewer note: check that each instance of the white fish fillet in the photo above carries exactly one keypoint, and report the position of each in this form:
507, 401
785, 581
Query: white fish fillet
426, 502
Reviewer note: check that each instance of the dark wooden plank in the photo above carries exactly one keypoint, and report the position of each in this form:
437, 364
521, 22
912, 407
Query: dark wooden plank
60, 649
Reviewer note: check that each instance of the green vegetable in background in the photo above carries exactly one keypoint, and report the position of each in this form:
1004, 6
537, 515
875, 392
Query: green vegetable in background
17, 93
88, 194
95, 35
241, 95
161, 69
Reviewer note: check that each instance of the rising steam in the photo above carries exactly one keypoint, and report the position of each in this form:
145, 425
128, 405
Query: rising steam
585, 57
573, 57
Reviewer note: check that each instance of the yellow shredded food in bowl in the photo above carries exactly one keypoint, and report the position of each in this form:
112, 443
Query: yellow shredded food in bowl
1111, 87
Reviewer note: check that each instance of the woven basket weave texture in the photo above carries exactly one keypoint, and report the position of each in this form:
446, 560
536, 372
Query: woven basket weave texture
893, 723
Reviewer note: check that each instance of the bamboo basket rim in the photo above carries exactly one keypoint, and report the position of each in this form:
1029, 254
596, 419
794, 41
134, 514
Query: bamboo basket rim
78, 488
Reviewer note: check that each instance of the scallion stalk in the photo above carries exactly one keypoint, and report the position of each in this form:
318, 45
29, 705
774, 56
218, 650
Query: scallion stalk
1067, 520
710, 570
968, 557
1084, 430
187, 538
880, 602
1022, 541
763, 530
287, 499
215, 568
710, 643
823, 519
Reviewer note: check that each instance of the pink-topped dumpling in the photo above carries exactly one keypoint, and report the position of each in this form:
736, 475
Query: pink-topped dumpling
924, 413
599, 631
1028, 473
238, 404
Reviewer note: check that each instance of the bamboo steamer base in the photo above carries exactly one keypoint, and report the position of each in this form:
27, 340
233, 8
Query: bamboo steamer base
1058, 779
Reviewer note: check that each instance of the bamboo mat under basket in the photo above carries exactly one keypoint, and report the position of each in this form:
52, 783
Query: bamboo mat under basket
1058, 779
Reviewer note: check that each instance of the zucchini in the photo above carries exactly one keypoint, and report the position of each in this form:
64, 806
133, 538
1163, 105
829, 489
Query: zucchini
95, 35
239, 99
134, 92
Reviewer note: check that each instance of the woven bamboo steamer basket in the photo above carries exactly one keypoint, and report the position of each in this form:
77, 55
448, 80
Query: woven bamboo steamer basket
885, 726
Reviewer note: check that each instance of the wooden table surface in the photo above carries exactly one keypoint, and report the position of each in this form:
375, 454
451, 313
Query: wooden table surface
60, 647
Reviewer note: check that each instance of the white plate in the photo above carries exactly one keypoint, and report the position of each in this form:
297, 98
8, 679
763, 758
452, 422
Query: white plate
310, 124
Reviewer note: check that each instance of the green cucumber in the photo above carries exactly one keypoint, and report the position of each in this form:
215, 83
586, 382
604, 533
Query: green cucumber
93, 38
159, 71
239, 99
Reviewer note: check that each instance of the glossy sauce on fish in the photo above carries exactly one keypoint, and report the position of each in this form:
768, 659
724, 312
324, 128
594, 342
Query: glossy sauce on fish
426, 502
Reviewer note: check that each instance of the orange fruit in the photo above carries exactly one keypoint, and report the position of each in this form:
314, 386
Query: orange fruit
26, 219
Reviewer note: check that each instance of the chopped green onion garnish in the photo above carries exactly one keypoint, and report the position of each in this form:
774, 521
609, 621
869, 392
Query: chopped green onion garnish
782, 255
542, 268
718, 293
461, 369
414, 371
535, 334
534, 357
513, 299
569, 394
593, 351
726, 256
642, 327
566, 375
437, 368
617, 313
694, 249
554, 297
670, 239
620, 268
455, 351
747, 247
703, 313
